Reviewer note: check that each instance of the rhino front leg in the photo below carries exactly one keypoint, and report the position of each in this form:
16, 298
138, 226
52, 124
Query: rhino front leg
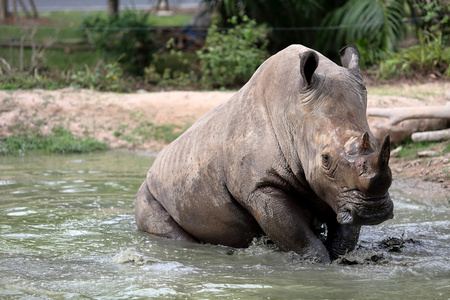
287, 223
153, 218
341, 239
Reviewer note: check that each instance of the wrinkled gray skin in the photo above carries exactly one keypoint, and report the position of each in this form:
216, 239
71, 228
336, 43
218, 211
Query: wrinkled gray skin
291, 150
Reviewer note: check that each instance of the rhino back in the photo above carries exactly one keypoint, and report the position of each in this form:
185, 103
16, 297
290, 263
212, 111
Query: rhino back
188, 179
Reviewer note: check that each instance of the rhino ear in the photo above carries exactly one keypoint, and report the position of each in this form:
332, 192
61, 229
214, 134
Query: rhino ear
350, 57
309, 60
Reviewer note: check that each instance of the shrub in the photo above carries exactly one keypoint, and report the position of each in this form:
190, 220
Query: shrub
429, 56
230, 57
103, 77
173, 68
126, 36
432, 16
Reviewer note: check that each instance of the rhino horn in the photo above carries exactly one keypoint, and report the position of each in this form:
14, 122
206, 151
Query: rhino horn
350, 57
375, 176
379, 184
309, 60
384, 154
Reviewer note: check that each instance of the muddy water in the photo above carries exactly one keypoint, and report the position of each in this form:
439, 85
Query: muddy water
67, 231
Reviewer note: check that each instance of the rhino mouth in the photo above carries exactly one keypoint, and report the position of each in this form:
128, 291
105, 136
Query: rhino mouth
361, 210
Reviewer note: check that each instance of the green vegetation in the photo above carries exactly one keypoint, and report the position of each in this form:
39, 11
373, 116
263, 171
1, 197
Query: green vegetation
69, 24
60, 140
167, 132
228, 59
293, 21
60, 52
125, 38
92, 50
146, 131
410, 149
231, 57
431, 55
376, 27
122, 53
174, 68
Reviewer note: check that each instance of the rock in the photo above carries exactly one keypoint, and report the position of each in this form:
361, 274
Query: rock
427, 153
394, 153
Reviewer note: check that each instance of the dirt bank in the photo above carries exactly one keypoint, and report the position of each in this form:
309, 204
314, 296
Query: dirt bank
124, 120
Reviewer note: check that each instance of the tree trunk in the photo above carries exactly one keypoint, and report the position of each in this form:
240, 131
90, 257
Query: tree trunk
14, 4
24, 8
3, 9
33, 8
113, 8
162, 5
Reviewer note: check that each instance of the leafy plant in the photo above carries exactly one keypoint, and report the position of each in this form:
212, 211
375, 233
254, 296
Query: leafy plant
173, 68
126, 36
432, 16
293, 21
430, 56
103, 77
230, 57
375, 26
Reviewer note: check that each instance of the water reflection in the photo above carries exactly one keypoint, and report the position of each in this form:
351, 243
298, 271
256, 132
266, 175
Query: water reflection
67, 231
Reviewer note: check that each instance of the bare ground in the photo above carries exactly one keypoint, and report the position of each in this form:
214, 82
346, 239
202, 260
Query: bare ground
120, 120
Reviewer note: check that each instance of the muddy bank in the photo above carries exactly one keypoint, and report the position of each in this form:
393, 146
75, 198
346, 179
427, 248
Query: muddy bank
126, 121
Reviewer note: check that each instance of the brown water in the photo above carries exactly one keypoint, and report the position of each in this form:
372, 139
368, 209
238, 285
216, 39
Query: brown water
67, 231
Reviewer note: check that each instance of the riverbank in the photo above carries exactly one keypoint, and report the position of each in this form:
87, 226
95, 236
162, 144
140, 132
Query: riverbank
148, 121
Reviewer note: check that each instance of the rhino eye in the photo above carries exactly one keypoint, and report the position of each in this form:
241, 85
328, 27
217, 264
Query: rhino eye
325, 158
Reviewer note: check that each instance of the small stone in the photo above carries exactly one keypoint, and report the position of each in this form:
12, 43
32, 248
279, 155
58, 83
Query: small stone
394, 153
427, 153
141, 91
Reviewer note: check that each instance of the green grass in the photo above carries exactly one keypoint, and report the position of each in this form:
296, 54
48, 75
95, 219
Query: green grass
447, 148
64, 25
54, 59
165, 132
60, 140
146, 131
411, 91
410, 149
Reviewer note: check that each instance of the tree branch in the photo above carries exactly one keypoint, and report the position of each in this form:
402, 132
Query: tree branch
431, 136
398, 114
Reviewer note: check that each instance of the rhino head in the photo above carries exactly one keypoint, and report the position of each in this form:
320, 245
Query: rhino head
348, 170
345, 167
357, 178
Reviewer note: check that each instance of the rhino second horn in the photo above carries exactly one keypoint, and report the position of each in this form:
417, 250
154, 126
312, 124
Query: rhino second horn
350, 57
384, 154
364, 143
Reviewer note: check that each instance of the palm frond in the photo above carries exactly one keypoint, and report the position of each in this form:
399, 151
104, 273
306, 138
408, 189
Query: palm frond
376, 24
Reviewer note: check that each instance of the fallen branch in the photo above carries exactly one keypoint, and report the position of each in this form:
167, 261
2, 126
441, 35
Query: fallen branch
398, 114
431, 136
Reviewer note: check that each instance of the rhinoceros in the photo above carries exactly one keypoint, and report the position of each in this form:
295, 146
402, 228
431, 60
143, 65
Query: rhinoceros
289, 156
